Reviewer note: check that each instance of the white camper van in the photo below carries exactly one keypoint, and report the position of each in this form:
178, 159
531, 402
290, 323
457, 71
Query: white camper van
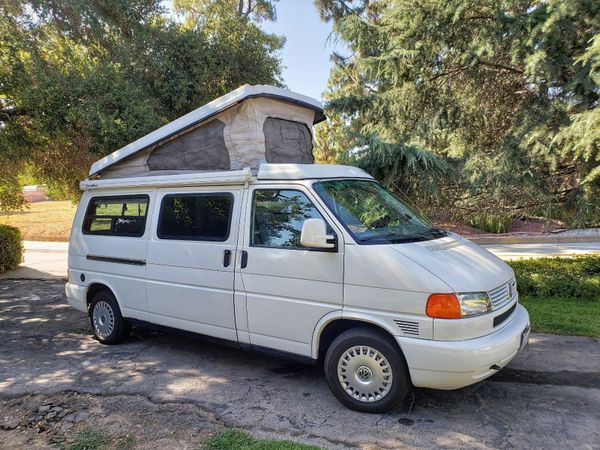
272, 252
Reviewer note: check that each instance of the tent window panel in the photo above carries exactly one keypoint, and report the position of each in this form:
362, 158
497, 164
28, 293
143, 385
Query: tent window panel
200, 149
287, 141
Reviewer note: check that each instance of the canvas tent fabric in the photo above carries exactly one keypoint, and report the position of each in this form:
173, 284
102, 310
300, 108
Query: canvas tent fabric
202, 148
287, 141
243, 129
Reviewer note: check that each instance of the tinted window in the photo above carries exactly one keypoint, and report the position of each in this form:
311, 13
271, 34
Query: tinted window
200, 217
116, 216
278, 216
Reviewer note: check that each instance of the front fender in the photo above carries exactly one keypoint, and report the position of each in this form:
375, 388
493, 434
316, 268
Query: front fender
383, 323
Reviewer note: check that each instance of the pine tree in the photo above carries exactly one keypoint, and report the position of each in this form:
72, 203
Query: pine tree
496, 100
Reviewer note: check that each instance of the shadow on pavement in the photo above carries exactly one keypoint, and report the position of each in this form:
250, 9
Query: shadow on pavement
46, 347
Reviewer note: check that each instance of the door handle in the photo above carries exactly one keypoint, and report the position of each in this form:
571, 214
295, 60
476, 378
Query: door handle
244, 261
226, 258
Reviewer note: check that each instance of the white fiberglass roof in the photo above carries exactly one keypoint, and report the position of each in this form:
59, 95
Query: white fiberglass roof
308, 172
266, 172
205, 112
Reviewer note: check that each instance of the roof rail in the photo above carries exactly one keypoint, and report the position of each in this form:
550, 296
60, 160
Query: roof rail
188, 179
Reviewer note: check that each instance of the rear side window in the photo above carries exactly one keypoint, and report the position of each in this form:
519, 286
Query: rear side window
197, 217
116, 216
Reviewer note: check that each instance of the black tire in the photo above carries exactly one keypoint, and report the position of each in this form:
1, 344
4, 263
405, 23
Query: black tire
392, 390
110, 328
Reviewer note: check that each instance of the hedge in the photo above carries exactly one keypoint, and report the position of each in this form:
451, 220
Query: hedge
11, 248
577, 277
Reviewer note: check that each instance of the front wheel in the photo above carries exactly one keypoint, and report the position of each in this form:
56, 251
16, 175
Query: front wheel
105, 317
366, 371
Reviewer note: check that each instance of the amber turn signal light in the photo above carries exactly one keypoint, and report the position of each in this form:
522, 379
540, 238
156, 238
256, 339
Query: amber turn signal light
443, 306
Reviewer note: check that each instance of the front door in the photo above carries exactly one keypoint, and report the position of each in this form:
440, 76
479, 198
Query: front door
288, 287
190, 260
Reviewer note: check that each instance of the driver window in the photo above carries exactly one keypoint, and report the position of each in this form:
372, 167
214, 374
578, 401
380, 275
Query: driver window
278, 216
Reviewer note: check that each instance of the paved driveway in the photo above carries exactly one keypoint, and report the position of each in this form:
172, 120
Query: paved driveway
548, 398
520, 251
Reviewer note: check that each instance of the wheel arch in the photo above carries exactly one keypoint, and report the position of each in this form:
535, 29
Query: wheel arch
333, 324
96, 286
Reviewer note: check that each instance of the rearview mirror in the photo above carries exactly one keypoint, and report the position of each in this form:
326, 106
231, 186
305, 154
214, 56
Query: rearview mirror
314, 234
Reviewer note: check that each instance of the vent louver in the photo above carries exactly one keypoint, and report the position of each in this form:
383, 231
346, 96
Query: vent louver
505, 315
408, 327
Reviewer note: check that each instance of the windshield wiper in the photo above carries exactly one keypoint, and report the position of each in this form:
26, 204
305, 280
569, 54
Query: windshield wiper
433, 231
393, 237
414, 237
437, 230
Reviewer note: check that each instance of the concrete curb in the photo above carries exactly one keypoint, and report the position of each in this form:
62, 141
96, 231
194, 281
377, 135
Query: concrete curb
528, 239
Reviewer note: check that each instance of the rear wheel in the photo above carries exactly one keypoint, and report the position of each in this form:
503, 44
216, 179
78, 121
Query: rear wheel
366, 371
108, 324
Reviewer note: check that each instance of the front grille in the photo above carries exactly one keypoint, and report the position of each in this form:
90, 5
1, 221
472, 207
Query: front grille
503, 294
502, 317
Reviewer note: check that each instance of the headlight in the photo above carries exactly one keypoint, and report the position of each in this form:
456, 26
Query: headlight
474, 303
455, 306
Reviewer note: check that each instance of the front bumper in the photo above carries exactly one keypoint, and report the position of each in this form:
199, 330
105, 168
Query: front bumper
76, 296
455, 364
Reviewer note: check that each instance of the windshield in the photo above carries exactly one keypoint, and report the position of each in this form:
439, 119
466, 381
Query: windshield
373, 215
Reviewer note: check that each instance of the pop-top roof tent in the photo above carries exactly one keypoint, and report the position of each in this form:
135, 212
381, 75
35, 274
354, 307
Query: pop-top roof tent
249, 126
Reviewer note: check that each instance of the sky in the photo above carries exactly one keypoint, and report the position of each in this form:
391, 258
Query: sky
308, 46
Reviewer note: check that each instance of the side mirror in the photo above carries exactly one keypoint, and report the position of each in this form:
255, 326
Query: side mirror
314, 234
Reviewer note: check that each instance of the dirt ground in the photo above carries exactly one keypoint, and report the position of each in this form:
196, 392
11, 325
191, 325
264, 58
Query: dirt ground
132, 421
165, 391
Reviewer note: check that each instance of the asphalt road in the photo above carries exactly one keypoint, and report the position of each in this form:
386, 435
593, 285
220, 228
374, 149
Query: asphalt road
549, 397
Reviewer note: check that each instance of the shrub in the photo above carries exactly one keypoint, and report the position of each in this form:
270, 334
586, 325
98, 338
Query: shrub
577, 277
11, 248
11, 198
491, 223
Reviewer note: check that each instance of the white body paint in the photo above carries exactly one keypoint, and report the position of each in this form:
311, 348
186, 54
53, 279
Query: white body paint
285, 298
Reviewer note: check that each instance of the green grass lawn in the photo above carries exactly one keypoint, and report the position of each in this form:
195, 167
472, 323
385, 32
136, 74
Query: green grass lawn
230, 439
239, 440
569, 316
562, 295
90, 439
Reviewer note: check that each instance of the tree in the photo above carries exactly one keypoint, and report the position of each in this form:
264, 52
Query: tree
206, 10
498, 96
79, 80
